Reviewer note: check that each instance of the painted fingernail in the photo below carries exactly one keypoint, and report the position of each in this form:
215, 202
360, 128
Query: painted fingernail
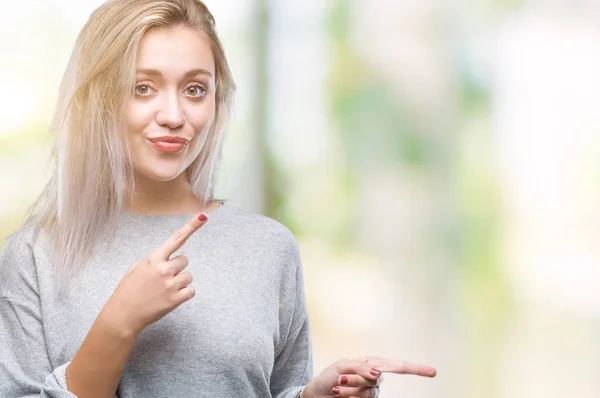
202, 217
344, 380
335, 390
375, 372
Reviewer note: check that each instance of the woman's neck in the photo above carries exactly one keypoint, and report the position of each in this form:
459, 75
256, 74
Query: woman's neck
164, 197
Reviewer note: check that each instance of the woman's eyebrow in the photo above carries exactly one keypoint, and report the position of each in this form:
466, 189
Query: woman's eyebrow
188, 74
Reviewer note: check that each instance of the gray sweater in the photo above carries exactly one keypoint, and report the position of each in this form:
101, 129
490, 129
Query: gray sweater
244, 334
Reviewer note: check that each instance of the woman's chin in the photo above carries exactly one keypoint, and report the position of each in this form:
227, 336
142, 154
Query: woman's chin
162, 175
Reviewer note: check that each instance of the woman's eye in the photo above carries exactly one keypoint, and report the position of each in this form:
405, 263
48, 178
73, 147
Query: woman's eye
195, 91
142, 89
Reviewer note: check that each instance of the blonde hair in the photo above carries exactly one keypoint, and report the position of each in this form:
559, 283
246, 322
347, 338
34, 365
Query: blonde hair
92, 169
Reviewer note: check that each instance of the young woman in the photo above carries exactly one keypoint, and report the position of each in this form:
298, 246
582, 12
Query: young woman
95, 300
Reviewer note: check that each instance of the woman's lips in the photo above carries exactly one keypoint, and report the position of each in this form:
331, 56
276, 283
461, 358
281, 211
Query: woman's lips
164, 146
169, 143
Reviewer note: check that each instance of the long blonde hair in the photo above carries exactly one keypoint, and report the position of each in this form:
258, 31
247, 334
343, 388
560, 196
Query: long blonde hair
92, 169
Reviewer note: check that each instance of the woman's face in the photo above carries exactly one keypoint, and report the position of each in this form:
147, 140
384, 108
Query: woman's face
168, 116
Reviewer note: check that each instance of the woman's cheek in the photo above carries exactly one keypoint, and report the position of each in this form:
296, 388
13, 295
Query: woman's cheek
140, 116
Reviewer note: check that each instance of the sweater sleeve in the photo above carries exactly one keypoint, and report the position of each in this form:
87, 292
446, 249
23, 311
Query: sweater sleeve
25, 369
293, 357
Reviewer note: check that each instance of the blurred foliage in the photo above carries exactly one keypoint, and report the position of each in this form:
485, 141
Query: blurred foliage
377, 130
485, 292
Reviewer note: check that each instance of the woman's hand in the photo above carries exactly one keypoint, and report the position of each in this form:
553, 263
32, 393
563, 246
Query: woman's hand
153, 286
360, 377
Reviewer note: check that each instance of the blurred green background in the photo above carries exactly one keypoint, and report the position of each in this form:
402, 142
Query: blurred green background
438, 162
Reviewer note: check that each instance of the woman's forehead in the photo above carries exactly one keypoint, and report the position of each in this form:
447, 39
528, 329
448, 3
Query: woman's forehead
175, 51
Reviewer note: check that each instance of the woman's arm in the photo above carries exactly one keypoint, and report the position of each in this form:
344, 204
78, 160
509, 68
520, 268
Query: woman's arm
25, 369
150, 289
96, 369
293, 357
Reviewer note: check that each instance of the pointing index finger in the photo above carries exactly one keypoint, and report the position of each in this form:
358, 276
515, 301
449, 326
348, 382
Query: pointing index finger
402, 367
178, 239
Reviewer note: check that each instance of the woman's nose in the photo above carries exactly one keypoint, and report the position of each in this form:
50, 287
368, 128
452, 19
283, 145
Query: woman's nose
170, 113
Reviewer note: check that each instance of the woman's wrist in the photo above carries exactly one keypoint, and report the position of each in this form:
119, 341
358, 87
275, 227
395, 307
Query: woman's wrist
112, 323
306, 391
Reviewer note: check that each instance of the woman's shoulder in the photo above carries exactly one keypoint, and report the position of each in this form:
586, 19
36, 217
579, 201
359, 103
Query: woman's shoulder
260, 233
17, 264
259, 226
19, 242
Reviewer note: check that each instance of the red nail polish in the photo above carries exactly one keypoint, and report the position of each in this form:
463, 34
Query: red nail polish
344, 380
375, 372
202, 217
335, 390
